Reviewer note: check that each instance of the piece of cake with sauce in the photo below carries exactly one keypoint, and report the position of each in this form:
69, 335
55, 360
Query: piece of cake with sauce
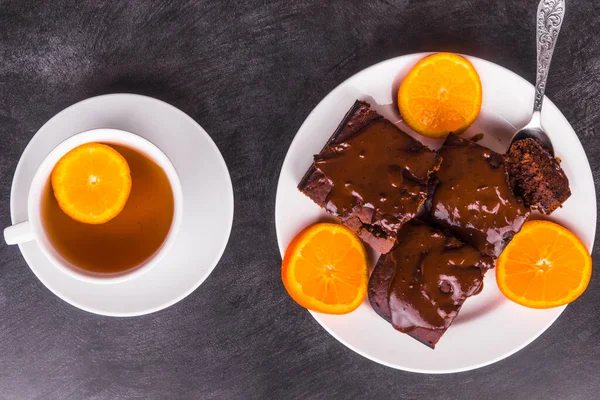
421, 285
370, 175
472, 197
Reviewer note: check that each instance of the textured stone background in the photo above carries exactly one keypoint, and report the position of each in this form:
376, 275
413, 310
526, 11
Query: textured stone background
250, 72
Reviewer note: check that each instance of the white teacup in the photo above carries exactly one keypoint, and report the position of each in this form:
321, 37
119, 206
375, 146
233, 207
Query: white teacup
32, 229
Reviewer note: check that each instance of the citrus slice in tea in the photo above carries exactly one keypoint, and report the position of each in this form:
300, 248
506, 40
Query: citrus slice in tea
92, 183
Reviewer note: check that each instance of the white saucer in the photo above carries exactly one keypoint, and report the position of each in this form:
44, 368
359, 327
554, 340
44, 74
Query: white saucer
207, 198
489, 327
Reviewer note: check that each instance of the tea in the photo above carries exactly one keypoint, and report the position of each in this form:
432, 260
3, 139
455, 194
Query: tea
129, 239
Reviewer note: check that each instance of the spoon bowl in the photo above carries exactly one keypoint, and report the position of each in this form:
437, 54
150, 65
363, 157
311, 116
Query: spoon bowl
534, 130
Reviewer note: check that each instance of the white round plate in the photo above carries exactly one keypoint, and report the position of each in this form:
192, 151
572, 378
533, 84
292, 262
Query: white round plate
489, 327
207, 202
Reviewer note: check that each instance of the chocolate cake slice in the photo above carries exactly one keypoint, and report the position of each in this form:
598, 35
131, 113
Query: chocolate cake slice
473, 198
536, 176
370, 175
420, 286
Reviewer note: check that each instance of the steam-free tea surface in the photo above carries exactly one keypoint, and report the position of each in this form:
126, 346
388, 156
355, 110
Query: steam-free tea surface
127, 240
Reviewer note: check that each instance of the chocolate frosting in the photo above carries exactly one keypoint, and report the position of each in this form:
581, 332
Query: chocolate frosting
473, 198
379, 174
433, 275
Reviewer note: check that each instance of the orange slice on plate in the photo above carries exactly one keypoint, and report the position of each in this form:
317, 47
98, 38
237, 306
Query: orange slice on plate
441, 94
545, 265
92, 183
325, 269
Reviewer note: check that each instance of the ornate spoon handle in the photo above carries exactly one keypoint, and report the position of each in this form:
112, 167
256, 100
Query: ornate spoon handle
550, 15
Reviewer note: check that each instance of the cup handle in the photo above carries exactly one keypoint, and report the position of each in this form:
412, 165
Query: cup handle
18, 233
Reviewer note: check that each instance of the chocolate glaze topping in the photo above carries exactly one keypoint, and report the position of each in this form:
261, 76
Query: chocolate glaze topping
379, 174
433, 275
473, 198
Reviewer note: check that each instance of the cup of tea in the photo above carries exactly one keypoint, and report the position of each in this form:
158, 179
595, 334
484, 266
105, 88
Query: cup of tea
126, 246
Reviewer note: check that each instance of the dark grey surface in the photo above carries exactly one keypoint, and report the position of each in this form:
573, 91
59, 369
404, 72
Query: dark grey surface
249, 74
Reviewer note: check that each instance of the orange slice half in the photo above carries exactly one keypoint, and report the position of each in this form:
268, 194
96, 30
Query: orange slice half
92, 183
325, 269
545, 265
441, 94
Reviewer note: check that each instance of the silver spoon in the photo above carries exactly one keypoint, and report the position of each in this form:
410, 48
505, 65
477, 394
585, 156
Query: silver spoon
550, 15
